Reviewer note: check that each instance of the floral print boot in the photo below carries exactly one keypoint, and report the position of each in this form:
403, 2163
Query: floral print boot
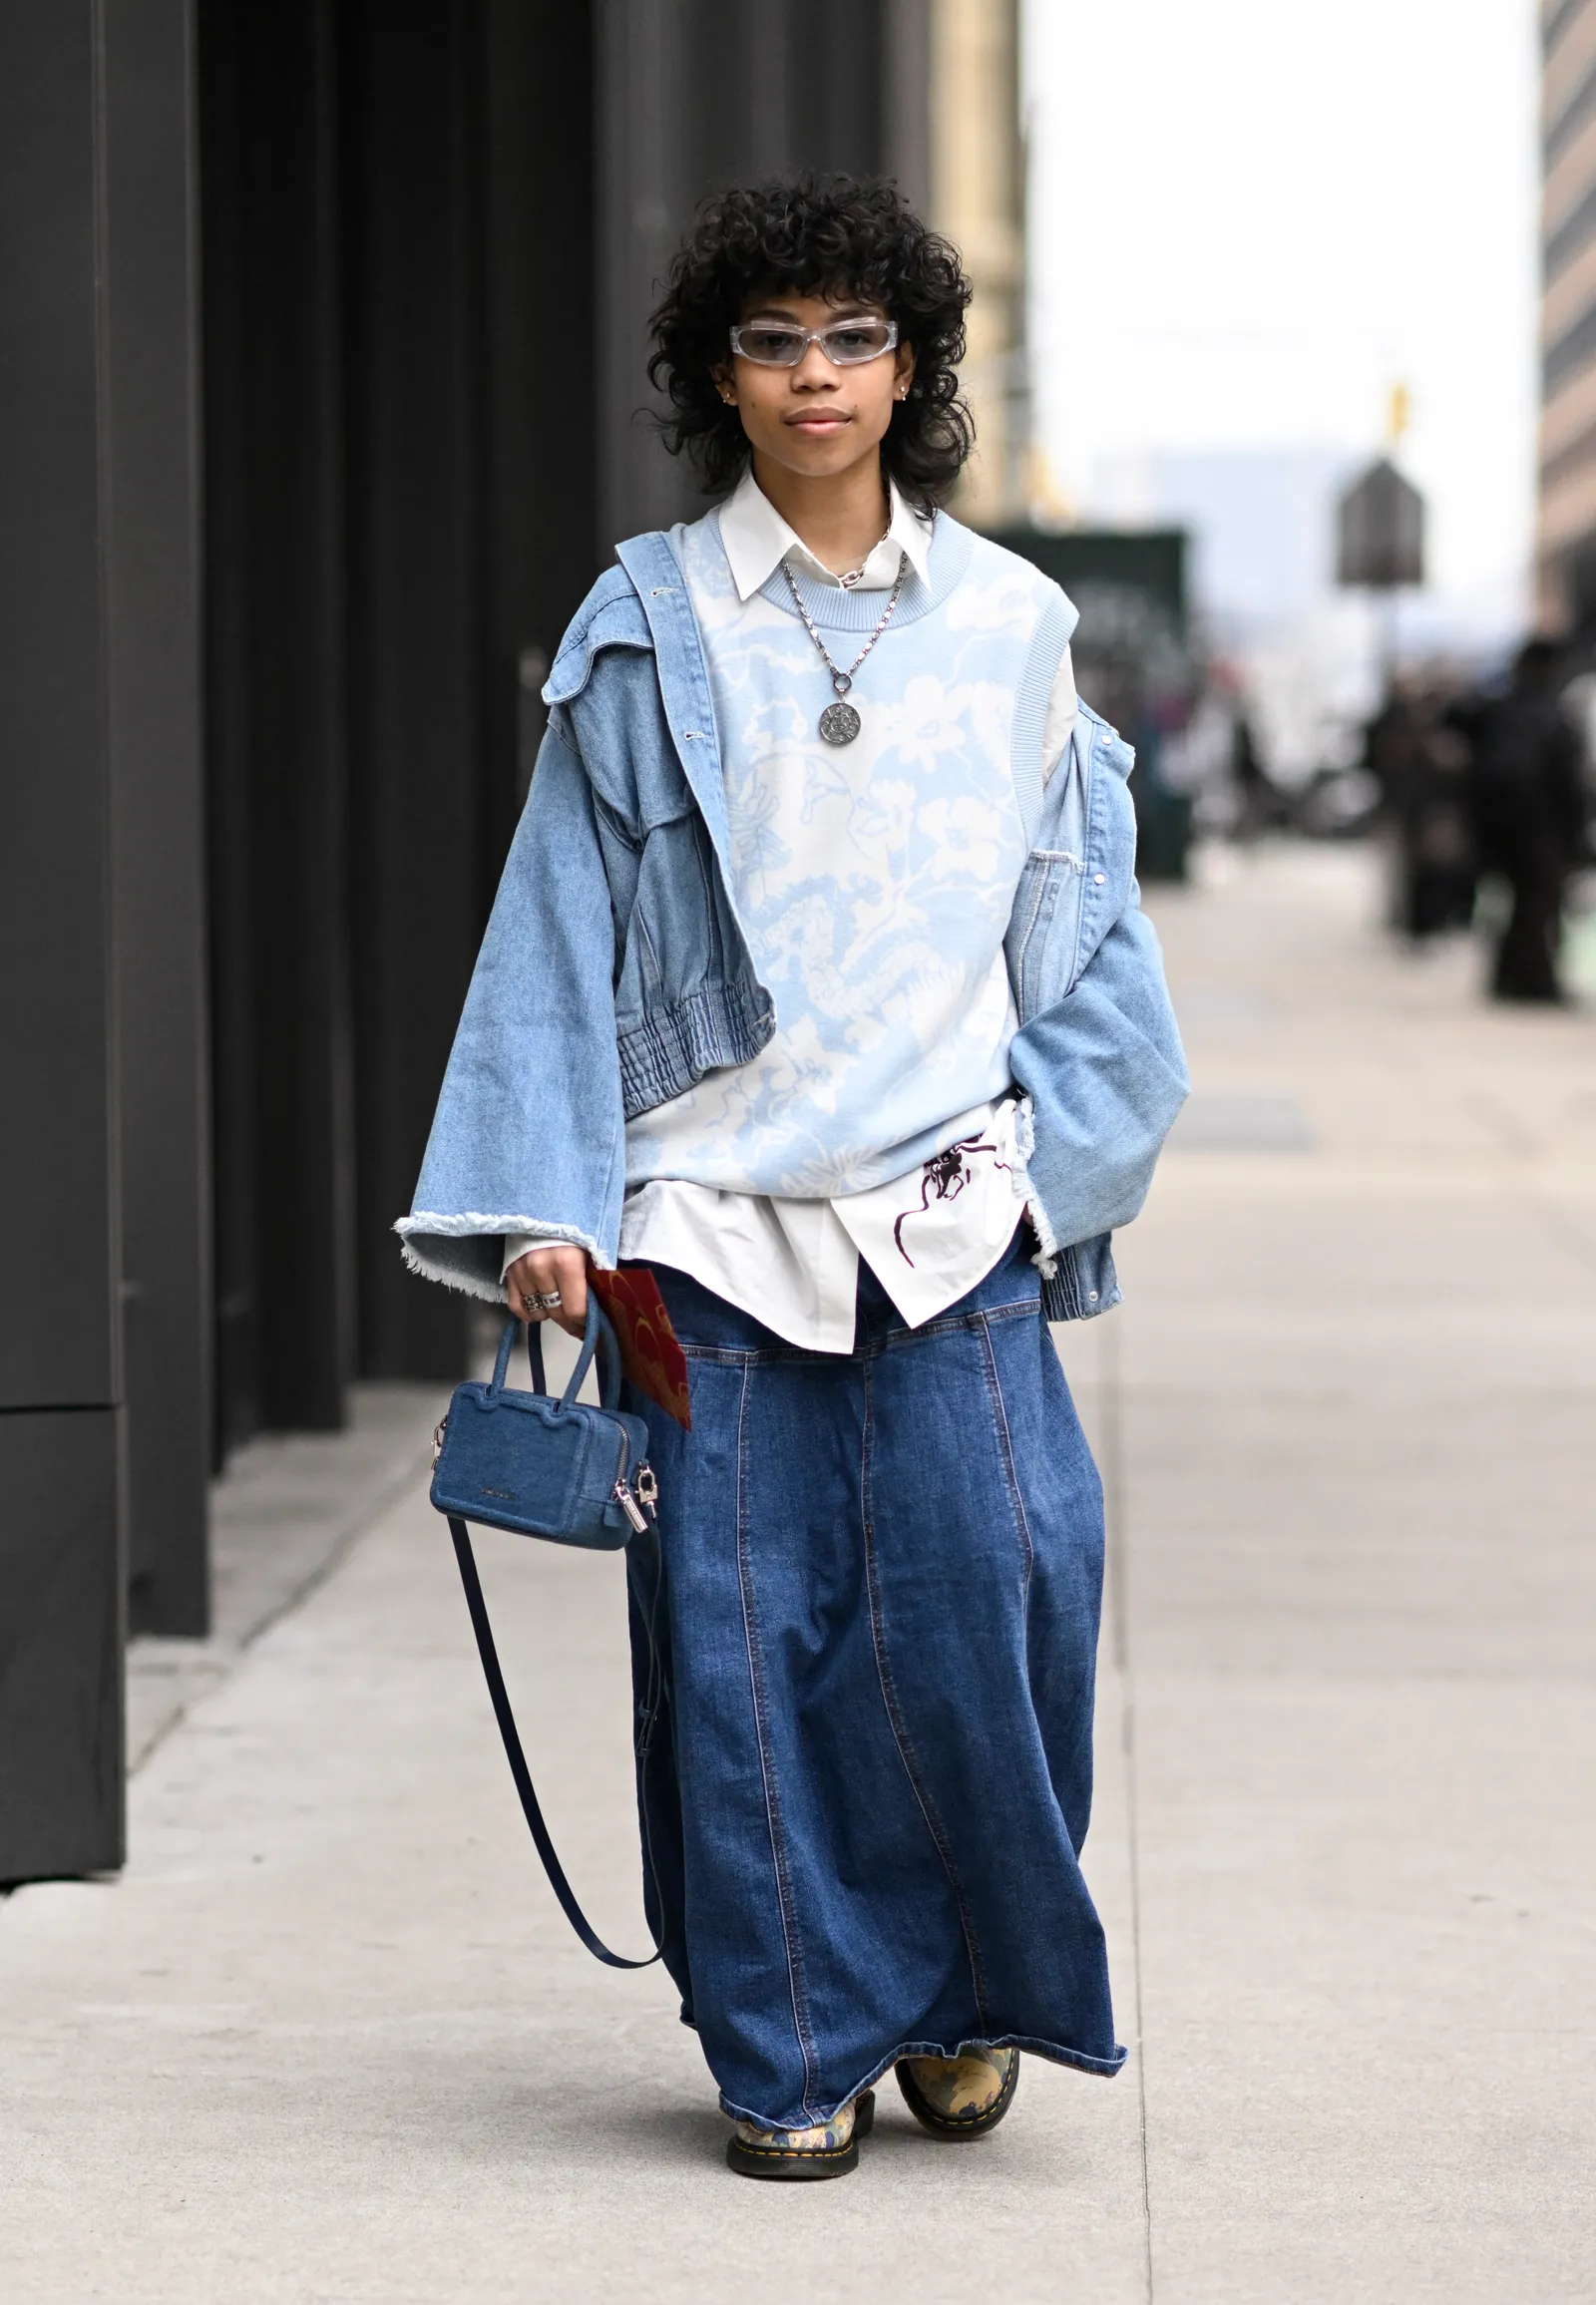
960, 2097
829, 2151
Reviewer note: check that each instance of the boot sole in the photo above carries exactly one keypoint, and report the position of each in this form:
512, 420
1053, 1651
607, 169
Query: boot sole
793, 2167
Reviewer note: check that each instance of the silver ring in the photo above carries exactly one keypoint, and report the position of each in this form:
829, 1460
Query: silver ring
549, 1304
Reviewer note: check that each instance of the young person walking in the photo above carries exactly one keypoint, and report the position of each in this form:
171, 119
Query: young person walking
816, 984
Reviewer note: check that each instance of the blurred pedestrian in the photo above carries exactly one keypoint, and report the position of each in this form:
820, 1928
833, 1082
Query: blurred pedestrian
817, 985
1420, 761
1528, 798
1258, 807
1215, 759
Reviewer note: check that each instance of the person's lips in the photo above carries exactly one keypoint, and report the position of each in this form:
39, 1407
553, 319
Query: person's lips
818, 420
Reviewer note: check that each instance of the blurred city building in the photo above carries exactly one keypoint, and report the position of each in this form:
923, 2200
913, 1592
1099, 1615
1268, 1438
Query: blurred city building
1566, 543
322, 330
1263, 598
1260, 519
978, 197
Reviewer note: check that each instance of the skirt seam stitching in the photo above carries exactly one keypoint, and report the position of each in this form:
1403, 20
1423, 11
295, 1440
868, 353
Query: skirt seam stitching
898, 1730
778, 1860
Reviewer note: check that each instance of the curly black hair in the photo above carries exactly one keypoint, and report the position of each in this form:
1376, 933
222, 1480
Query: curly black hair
835, 236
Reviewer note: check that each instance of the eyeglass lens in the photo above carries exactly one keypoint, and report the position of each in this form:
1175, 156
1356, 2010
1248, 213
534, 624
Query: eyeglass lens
773, 344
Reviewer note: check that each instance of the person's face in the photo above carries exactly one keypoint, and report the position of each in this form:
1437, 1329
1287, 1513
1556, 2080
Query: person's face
816, 419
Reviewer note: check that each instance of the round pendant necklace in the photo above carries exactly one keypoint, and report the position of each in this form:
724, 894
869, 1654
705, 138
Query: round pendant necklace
840, 722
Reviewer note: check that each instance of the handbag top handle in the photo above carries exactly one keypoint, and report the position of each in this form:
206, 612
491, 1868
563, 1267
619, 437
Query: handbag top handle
598, 1329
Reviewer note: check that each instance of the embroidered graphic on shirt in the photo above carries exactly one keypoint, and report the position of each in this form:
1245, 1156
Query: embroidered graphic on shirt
944, 1177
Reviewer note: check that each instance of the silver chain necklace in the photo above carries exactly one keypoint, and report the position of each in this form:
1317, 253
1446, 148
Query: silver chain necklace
857, 575
840, 723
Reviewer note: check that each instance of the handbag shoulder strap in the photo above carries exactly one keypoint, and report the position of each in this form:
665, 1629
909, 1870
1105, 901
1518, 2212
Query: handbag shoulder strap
518, 1760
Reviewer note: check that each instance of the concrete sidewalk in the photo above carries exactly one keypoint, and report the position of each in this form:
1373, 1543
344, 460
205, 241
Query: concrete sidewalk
1354, 1451
330, 2039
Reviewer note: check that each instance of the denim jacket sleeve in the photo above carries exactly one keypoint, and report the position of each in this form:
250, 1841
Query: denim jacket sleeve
1106, 1075
528, 1135
1098, 1050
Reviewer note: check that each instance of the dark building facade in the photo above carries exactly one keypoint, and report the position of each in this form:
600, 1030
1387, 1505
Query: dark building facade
322, 393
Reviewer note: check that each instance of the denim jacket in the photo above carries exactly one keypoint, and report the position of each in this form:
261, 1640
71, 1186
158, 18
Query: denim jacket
614, 973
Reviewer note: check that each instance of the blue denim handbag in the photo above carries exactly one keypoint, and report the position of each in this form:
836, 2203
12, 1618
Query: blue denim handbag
543, 1469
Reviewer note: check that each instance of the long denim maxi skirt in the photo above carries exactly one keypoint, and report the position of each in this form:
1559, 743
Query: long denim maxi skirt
865, 1712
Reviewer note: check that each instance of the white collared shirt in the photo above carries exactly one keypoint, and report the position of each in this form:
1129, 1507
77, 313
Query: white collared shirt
757, 540
929, 1236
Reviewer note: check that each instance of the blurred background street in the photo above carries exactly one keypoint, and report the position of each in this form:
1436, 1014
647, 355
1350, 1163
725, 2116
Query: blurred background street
329, 2037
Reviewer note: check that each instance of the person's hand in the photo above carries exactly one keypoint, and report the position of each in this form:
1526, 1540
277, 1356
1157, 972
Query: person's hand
551, 1271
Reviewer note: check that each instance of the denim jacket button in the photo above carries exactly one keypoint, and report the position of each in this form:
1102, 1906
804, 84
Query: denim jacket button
1099, 879
1091, 1296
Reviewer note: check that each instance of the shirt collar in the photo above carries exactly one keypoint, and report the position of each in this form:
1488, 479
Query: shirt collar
757, 540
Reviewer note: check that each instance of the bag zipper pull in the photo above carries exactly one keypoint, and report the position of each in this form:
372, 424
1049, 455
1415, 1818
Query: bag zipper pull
648, 1489
437, 1440
629, 1506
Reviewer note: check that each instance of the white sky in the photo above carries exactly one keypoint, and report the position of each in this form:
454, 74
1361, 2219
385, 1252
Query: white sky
1250, 217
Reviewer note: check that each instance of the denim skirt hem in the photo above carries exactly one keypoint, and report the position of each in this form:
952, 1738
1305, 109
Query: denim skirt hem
1104, 2068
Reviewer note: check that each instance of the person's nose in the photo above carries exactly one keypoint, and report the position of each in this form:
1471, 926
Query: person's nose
814, 372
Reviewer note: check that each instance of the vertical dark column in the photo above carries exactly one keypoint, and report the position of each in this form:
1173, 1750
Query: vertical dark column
643, 85
61, 1576
471, 347
539, 341
158, 855
837, 84
276, 736
61, 1645
224, 132
413, 138
694, 95
906, 98
734, 117
400, 474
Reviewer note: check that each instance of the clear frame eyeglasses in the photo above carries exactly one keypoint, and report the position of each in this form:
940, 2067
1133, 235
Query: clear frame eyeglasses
846, 343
